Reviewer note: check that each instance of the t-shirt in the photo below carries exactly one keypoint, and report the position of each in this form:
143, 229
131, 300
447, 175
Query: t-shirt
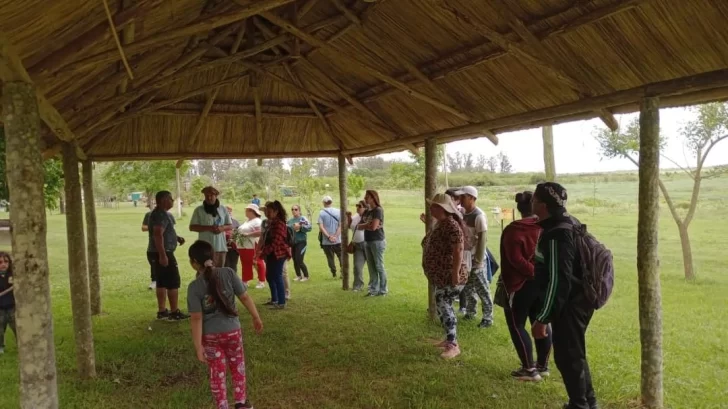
438, 256
476, 223
330, 219
145, 222
214, 319
250, 226
202, 218
369, 215
7, 301
300, 235
255, 201
159, 217
358, 234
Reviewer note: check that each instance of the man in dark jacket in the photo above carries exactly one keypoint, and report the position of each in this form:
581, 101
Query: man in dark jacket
565, 306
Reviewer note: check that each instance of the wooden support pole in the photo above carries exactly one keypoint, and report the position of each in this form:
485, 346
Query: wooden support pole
92, 246
344, 204
430, 190
34, 319
549, 163
77, 269
648, 271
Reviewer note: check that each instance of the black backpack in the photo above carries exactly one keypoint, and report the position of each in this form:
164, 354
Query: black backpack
290, 236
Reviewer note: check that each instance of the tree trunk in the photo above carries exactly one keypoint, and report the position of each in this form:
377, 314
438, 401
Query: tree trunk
62, 203
24, 164
687, 252
150, 199
430, 190
77, 270
92, 243
344, 222
179, 193
549, 162
650, 302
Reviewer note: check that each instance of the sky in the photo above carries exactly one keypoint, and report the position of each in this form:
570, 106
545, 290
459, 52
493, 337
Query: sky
577, 151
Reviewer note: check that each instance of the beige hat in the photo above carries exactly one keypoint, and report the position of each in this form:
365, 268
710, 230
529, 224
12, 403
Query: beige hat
210, 189
254, 207
445, 201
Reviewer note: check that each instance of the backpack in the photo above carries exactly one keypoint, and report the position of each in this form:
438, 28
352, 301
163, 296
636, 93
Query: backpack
290, 236
597, 265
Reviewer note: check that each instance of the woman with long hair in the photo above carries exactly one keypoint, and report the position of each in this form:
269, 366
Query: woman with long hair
518, 258
373, 225
7, 298
444, 266
301, 227
247, 237
215, 325
275, 250
358, 245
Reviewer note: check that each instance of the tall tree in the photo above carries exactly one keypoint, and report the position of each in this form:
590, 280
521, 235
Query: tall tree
148, 177
492, 164
700, 136
307, 186
356, 185
505, 163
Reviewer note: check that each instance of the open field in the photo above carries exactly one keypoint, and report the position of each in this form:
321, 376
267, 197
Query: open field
336, 349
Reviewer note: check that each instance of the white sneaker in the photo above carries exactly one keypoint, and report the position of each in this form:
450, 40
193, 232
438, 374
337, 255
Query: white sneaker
304, 279
297, 279
260, 285
2, 351
153, 285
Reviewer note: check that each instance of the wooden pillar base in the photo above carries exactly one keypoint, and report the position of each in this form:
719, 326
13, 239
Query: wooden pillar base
430, 190
343, 199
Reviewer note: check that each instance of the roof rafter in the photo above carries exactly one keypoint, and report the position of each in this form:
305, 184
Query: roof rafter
127, 36
306, 7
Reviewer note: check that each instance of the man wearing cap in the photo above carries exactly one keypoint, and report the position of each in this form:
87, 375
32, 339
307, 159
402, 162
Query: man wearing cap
330, 233
475, 257
211, 221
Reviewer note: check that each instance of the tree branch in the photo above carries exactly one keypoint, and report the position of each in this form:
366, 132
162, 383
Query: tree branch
689, 173
670, 204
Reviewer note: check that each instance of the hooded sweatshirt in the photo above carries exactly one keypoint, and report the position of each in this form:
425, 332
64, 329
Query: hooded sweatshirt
518, 251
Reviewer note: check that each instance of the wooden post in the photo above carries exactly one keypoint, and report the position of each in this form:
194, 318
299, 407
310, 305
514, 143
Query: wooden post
343, 187
92, 246
77, 270
430, 190
650, 299
24, 165
549, 162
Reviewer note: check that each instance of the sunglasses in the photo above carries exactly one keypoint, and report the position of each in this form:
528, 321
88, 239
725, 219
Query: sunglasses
295, 209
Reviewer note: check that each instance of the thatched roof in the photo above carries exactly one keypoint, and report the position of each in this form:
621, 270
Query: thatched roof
271, 78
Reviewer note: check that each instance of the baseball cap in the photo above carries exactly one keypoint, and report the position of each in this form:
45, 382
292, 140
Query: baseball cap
327, 199
468, 190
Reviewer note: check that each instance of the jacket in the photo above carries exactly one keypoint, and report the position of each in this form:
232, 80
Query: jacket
518, 252
558, 269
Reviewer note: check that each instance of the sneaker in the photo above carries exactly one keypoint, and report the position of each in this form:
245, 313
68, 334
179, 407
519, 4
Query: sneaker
462, 311
270, 302
277, 307
288, 295
297, 279
178, 316
485, 323
163, 315
244, 405
260, 285
356, 290
153, 285
468, 317
543, 371
526, 375
2, 351
451, 351
370, 295
304, 279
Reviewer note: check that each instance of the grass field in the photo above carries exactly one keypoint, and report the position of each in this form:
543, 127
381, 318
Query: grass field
336, 349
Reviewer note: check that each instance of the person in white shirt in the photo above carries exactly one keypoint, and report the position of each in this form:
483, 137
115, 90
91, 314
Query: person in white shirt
358, 246
247, 237
475, 257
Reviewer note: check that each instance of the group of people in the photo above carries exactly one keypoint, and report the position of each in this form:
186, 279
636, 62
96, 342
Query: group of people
542, 279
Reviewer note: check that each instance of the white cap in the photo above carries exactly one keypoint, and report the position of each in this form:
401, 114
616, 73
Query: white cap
327, 199
467, 190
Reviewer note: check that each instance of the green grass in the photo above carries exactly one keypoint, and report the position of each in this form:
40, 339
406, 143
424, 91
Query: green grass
336, 349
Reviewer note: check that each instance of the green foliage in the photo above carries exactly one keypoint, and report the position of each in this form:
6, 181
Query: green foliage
356, 185
148, 176
710, 127
307, 186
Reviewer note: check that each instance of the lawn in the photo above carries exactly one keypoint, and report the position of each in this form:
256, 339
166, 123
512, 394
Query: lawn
336, 349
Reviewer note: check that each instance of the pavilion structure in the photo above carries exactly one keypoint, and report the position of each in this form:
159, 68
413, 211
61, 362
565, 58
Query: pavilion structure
112, 80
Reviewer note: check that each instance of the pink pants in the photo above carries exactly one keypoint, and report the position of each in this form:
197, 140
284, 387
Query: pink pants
221, 349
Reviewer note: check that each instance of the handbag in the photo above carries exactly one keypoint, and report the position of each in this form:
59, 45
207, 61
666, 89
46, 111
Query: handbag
501, 295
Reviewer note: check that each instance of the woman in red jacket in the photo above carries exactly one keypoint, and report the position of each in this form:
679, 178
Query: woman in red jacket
518, 252
275, 250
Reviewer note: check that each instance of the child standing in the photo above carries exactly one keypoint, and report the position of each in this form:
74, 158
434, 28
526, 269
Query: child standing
215, 325
7, 299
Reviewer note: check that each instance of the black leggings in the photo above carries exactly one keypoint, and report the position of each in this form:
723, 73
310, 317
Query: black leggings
299, 252
526, 304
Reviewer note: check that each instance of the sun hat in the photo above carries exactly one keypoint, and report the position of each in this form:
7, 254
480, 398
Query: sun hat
210, 189
467, 190
327, 199
445, 201
254, 207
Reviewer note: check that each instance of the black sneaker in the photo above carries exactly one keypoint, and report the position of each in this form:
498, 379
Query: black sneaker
245, 405
591, 406
485, 323
163, 315
178, 316
468, 317
270, 303
370, 295
526, 375
543, 371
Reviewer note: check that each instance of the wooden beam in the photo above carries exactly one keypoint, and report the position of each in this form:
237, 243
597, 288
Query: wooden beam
306, 7
339, 4
430, 190
95, 35
92, 242
233, 114
344, 225
127, 36
337, 54
549, 162
211, 155
11, 69
258, 118
648, 264
200, 26
690, 84
296, 46
115, 36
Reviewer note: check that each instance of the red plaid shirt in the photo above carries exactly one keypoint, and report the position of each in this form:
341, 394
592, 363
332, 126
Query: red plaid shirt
276, 242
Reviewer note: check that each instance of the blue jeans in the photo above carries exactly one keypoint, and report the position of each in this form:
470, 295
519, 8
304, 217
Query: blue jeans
360, 258
375, 263
274, 276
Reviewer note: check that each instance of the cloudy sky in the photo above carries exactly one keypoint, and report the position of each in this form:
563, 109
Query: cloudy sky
576, 149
